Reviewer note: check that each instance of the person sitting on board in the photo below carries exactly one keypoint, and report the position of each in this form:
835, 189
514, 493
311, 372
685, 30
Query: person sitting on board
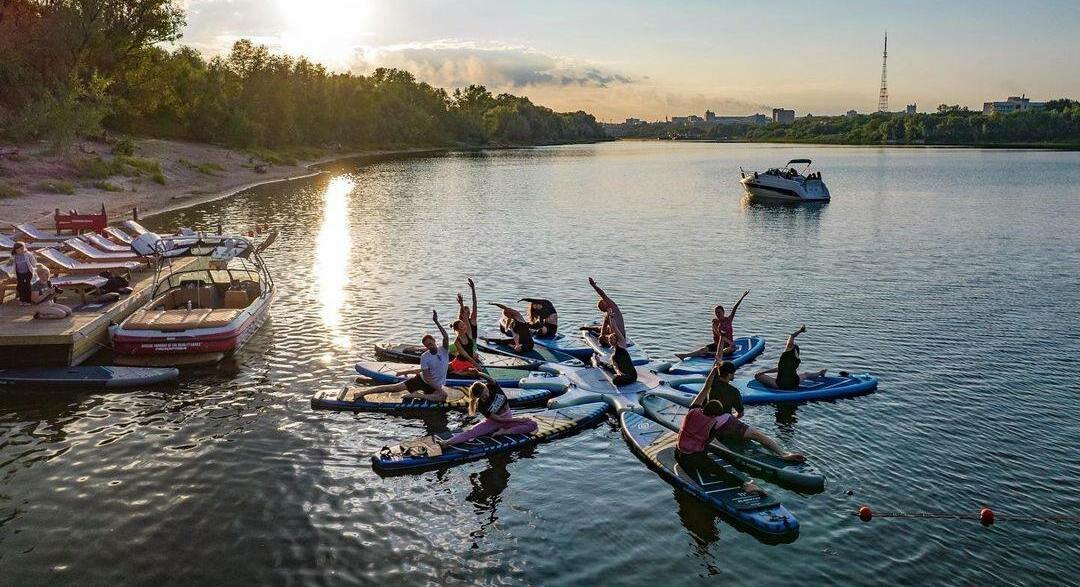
699, 426
25, 264
487, 398
426, 382
621, 364
42, 292
613, 317
543, 319
722, 333
787, 375
514, 324
726, 414
463, 349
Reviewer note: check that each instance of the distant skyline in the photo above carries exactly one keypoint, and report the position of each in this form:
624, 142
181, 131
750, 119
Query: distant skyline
651, 60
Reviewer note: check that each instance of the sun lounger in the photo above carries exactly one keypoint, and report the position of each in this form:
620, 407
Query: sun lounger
87, 251
105, 244
31, 232
80, 284
118, 235
134, 227
7, 243
65, 263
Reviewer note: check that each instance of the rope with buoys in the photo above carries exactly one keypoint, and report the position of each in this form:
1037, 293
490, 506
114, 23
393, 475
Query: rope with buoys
985, 515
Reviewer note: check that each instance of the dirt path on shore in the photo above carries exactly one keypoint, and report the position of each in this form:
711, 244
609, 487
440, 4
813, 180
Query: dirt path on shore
193, 173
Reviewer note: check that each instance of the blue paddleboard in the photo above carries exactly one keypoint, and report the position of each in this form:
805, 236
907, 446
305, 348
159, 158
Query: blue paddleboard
341, 400
817, 388
86, 377
747, 348
381, 373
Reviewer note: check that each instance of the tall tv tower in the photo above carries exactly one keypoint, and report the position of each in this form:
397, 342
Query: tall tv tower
883, 97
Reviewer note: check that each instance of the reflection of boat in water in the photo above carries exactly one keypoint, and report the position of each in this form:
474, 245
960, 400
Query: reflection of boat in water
211, 293
786, 184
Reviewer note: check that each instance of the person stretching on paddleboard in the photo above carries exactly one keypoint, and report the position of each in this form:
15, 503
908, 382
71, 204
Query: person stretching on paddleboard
787, 375
723, 334
426, 382
463, 311
487, 398
463, 350
514, 324
543, 319
613, 334
613, 317
721, 401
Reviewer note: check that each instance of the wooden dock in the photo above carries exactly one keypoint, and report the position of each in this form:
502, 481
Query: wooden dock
26, 342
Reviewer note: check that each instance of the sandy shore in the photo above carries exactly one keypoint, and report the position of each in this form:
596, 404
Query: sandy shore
193, 172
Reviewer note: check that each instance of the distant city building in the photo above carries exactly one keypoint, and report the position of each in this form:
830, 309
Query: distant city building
783, 116
634, 121
910, 110
1013, 104
851, 113
694, 119
710, 116
680, 120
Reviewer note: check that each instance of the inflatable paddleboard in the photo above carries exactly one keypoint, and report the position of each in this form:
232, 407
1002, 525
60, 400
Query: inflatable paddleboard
637, 356
539, 353
381, 373
760, 515
410, 353
669, 410
747, 348
567, 345
818, 388
340, 400
424, 453
86, 377
593, 384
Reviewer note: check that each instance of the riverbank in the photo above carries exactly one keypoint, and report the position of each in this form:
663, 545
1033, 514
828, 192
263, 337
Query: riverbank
1034, 146
158, 176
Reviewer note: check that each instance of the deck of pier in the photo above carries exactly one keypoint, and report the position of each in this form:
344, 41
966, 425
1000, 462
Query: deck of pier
29, 342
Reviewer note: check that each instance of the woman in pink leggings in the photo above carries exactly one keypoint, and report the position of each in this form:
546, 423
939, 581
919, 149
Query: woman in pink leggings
487, 398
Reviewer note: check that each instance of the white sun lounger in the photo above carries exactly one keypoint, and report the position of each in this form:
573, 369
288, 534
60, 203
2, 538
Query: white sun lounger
33, 233
91, 253
66, 263
7, 243
104, 244
118, 235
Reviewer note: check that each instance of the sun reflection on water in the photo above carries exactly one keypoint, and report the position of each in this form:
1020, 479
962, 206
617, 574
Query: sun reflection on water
332, 258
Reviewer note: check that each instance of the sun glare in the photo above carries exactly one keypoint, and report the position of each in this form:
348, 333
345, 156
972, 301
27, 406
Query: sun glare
332, 256
325, 31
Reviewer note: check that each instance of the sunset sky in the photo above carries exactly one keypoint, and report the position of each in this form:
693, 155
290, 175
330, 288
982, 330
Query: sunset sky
653, 59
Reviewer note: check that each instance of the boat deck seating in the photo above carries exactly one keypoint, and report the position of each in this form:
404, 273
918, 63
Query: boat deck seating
180, 319
66, 263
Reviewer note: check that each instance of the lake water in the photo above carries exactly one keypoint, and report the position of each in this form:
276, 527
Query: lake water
951, 274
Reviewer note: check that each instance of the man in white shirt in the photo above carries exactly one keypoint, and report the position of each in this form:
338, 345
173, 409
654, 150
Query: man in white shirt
426, 382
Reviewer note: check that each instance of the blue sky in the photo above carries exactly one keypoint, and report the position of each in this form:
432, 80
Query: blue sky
653, 59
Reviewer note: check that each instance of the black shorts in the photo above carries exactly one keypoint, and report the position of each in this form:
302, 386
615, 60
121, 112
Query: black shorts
417, 383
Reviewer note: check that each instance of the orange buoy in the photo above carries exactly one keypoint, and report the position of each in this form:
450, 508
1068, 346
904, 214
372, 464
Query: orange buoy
865, 513
986, 516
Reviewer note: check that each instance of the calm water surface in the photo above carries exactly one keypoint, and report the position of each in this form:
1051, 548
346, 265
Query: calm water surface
950, 274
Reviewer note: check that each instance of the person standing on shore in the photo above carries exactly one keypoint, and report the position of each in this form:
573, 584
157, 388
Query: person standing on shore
25, 265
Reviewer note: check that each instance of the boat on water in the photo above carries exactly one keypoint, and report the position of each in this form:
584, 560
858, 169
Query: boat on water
786, 184
210, 294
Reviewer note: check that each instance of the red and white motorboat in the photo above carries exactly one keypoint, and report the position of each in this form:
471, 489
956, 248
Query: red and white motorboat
211, 293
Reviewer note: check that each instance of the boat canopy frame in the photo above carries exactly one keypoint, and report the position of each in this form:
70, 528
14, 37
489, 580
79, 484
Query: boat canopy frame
205, 246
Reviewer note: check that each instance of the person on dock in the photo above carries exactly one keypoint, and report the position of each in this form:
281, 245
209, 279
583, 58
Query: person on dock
426, 382
543, 319
723, 333
25, 265
487, 397
717, 410
613, 317
42, 293
515, 325
787, 373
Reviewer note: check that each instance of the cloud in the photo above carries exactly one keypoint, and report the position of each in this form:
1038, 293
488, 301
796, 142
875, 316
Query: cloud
451, 63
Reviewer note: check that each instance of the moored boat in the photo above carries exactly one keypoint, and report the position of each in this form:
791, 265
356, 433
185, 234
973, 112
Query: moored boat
211, 293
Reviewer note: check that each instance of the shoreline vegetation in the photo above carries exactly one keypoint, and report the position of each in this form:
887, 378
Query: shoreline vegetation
96, 110
1056, 127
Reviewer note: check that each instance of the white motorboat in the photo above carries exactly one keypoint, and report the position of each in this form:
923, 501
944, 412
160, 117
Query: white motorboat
786, 184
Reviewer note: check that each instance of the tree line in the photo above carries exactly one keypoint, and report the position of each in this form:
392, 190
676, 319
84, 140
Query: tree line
1058, 123
72, 68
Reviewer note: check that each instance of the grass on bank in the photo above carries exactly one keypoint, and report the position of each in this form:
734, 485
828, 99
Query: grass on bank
205, 168
108, 186
286, 155
57, 186
9, 191
126, 165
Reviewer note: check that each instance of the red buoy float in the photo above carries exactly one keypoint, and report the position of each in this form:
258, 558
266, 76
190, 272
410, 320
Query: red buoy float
866, 514
986, 516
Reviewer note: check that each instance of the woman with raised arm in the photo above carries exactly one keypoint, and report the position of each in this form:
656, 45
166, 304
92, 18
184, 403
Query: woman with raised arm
543, 319
487, 398
514, 324
722, 333
464, 359
787, 373
613, 334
